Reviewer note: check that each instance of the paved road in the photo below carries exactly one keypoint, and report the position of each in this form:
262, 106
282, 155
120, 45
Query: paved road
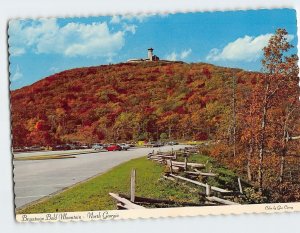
35, 179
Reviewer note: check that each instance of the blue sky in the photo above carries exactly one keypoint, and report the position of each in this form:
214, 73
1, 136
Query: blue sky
39, 48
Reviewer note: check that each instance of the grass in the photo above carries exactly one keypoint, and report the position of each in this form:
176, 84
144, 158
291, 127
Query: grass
194, 143
93, 194
64, 155
44, 157
226, 178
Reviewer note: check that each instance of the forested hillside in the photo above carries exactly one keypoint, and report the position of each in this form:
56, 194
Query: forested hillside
127, 102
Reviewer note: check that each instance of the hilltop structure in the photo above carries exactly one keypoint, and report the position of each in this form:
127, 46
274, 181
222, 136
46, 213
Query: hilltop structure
150, 57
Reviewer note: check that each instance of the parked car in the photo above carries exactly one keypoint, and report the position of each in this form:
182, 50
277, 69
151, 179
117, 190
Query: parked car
149, 144
97, 146
19, 149
81, 146
154, 144
35, 148
124, 146
85, 146
105, 146
72, 146
132, 144
172, 143
113, 147
62, 147
158, 144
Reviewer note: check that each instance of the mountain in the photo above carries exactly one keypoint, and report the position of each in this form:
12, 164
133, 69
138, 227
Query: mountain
127, 102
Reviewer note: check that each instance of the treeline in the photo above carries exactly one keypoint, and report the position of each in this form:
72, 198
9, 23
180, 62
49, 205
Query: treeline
263, 140
126, 102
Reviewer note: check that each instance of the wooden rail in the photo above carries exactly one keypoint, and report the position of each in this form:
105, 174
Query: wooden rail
194, 165
216, 189
123, 202
222, 201
201, 173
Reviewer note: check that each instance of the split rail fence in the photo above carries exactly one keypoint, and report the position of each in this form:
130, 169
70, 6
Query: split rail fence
213, 195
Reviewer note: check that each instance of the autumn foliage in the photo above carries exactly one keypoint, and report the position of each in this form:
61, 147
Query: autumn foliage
124, 102
249, 117
267, 125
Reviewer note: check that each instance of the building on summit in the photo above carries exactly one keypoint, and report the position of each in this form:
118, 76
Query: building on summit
150, 57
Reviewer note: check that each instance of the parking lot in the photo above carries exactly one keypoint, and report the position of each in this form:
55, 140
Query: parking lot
35, 179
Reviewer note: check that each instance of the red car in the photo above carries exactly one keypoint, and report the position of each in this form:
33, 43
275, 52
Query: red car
113, 148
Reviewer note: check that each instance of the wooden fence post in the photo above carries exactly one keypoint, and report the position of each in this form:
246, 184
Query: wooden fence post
208, 190
132, 185
185, 163
240, 185
171, 166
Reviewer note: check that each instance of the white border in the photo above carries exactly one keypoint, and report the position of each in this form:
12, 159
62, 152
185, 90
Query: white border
159, 212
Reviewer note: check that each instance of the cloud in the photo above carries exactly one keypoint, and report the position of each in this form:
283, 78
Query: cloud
290, 37
242, 49
15, 51
73, 39
17, 75
185, 53
182, 55
129, 28
247, 48
139, 18
172, 56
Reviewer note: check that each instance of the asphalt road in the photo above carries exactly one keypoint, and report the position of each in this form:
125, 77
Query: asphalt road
35, 179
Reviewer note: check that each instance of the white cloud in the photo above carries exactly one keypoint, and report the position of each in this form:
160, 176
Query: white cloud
242, 49
182, 55
17, 75
129, 28
172, 56
185, 53
247, 49
73, 39
139, 17
15, 51
290, 38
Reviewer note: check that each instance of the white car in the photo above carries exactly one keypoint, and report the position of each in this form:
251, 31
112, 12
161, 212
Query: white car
124, 146
98, 147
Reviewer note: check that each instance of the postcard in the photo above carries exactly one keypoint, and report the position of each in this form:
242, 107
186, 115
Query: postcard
155, 115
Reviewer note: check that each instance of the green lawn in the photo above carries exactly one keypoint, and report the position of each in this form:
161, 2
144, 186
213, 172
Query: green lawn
93, 194
44, 157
